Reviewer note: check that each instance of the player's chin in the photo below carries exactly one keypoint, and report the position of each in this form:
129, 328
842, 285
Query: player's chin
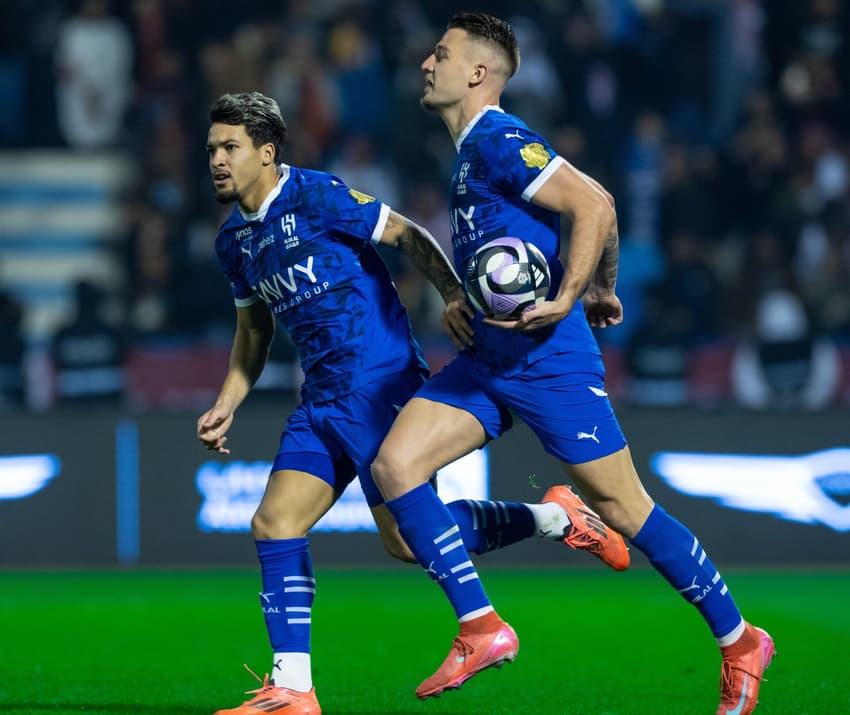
226, 196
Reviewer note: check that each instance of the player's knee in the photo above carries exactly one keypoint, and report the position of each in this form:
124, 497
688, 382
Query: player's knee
266, 526
386, 468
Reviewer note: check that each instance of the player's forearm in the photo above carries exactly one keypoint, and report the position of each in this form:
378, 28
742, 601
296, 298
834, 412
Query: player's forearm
425, 253
247, 360
593, 247
604, 279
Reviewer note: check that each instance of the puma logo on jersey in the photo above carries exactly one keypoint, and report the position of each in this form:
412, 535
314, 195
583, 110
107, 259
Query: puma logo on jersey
515, 135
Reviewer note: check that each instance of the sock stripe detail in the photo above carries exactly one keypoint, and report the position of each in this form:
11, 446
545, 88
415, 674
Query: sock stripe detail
298, 609
446, 534
694, 547
473, 509
299, 589
461, 567
716, 577
308, 579
299, 620
468, 577
701, 557
477, 613
724, 590
451, 547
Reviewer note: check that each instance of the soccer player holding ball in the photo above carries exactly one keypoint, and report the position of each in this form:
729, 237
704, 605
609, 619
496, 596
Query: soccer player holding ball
543, 364
299, 250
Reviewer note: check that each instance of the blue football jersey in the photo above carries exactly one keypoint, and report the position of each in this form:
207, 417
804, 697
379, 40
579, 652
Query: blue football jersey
309, 254
500, 165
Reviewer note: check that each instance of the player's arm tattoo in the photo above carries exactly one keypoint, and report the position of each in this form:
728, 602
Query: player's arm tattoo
605, 277
426, 254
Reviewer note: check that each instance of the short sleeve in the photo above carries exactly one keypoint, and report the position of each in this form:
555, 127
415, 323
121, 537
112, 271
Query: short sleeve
351, 213
243, 294
518, 161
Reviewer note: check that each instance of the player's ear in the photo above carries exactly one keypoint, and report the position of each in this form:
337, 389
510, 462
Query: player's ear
479, 73
268, 154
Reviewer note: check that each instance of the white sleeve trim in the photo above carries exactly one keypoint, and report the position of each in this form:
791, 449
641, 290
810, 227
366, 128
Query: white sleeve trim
245, 302
543, 177
382, 224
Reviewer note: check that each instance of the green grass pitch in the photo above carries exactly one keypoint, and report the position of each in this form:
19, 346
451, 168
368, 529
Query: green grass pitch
592, 642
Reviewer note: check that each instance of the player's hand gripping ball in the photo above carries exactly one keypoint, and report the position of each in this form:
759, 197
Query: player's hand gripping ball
505, 277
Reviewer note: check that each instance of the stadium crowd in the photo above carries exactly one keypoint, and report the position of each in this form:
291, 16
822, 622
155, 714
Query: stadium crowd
720, 128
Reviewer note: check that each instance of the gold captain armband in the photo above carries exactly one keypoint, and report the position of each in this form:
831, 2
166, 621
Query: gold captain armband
534, 155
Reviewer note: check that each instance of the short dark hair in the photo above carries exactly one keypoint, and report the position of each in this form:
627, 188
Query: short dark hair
259, 114
492, 29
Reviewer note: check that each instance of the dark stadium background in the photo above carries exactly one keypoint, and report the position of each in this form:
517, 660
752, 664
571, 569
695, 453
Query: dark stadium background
721, 130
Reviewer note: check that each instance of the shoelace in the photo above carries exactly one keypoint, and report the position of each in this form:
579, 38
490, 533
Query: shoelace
462, 646
728, 691
584, 537
265, 687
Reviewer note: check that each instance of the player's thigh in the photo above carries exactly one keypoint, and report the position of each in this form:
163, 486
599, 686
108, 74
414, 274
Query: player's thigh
612, 487
292, 503
425, 437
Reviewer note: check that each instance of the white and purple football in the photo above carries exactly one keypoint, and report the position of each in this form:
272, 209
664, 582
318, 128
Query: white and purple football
505, 277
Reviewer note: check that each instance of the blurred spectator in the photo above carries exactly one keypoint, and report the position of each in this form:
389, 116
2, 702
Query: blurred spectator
11, 351
88, 353
784, 363
94, 64
360, 166
657, 355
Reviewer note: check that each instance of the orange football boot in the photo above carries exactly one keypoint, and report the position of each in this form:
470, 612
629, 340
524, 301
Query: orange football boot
279, 701
587, 531
741, 673
470, 654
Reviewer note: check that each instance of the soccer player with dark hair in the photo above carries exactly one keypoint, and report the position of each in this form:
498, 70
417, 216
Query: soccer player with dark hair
299, 248
545, 367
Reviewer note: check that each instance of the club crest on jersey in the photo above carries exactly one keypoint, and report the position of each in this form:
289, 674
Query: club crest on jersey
287, 225
360, 197
534, 155
460, 189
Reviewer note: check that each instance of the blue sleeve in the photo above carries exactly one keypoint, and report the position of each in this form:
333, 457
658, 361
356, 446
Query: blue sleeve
346, 212
518, 166
243, 294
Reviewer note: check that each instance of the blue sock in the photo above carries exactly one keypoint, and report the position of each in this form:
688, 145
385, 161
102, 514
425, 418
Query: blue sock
434, 537
288, 592
676, 554
490, 525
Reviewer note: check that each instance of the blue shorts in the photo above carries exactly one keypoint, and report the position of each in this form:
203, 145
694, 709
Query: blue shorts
339, 439
561, 397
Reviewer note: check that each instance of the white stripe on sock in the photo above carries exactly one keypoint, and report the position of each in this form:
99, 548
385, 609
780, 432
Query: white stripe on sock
451, 547
477, 613
461, 567
446, 534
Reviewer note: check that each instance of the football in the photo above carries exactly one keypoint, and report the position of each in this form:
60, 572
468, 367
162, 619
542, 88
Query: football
505, 277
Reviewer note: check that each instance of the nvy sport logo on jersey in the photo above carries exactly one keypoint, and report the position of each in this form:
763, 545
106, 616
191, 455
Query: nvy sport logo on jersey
286, 290
463, 227
810, 489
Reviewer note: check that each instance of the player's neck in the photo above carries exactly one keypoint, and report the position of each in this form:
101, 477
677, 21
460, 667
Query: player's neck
458, 116
254, 198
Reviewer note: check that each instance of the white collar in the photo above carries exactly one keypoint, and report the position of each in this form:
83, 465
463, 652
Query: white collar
472, 122
260, 214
